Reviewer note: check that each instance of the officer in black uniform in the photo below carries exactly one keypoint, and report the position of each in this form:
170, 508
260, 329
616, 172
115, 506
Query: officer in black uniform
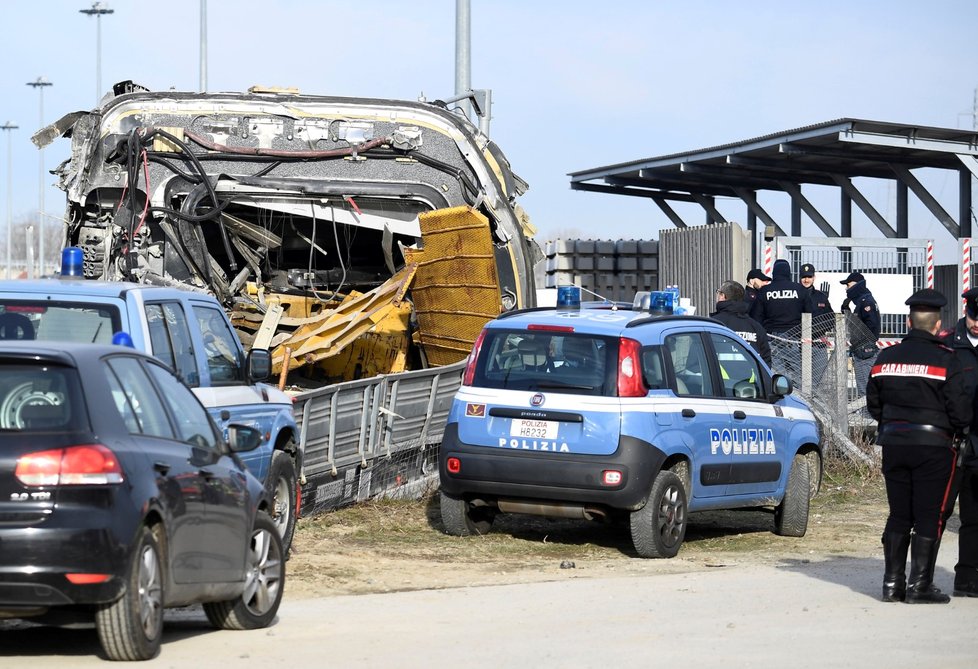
732, 312
756, 279
822, 322
963, 339
918, 394
779, 307
864, 305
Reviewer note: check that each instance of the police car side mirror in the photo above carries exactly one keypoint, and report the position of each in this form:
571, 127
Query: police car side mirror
259, 364
782, 385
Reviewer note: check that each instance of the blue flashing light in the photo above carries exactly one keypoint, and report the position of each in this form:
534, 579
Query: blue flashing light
71, 261
568, 298
661, 302
122, 338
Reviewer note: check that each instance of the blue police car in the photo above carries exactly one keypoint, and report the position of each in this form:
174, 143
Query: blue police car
609, 411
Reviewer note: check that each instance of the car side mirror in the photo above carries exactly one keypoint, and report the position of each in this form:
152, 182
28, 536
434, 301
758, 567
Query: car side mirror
259, 364
242, 438
781, 385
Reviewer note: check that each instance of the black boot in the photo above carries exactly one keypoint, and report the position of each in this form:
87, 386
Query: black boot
895, 547
920, 584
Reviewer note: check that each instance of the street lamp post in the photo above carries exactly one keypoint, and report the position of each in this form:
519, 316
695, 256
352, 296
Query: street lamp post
8, 126
39, 85
97, 10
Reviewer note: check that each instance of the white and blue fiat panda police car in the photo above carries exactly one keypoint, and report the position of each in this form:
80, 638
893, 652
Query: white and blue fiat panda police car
611, 411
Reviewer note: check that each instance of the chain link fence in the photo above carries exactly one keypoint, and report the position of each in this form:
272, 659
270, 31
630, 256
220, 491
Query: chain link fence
828, 359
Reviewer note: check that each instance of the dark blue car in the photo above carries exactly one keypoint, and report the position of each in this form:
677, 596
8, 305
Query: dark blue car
119, 497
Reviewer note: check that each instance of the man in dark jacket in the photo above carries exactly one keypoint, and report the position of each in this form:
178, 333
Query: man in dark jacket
863, 347
756, 279
918, 394
963, 339
823, 319
779, 307
732, 312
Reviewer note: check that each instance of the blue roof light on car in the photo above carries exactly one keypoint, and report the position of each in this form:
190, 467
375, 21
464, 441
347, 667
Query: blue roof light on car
122, 338
71, 261
568, 298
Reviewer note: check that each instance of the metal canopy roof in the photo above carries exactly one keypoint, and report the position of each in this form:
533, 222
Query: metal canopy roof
831, 154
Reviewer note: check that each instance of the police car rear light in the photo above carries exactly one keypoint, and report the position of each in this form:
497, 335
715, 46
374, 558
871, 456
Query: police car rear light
468, 377
611, 477
551, 328
630, 383
453, 465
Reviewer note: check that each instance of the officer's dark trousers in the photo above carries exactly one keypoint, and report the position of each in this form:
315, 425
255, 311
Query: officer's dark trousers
966, 571
918, 488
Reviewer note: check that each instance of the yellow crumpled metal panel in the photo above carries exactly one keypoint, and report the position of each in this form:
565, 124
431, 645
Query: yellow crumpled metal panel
456, 288
331, 340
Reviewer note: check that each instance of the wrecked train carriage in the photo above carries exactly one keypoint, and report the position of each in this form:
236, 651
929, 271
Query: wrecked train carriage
352, 236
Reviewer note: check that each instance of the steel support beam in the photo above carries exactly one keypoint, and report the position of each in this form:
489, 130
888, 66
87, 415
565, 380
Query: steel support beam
798, 197
927, 199
909, 141
670, 213
753, 207
708, 204
855, 196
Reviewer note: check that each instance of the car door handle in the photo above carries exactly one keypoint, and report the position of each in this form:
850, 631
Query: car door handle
689, 413
161, 467
740, 415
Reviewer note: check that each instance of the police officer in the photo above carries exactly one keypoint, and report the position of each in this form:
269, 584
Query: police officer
756, 279
779, 307
731, 310
963, 339
865, 307
918, 394
822, 321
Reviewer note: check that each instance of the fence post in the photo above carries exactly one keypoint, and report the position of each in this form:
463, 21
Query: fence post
806, 355
841, 370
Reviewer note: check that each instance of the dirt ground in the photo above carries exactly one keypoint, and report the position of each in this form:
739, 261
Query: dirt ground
390, 546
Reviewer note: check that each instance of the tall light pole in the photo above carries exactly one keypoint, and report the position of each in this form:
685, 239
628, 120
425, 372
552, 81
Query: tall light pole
203, 46
8, 126
39, 86
97, 10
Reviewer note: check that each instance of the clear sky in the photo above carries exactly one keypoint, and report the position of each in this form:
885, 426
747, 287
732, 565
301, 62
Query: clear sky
576, 83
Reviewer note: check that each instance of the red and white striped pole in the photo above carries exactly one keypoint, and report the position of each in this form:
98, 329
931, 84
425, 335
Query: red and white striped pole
768, 260
930, 263
965, 268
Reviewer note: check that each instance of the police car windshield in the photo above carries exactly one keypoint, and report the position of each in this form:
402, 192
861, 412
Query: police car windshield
51, 320
569, 362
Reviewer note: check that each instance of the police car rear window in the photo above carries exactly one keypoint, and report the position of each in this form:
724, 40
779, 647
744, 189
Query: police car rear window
51, 320
569, 363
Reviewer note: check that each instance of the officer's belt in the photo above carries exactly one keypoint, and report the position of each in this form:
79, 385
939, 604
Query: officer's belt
894, 427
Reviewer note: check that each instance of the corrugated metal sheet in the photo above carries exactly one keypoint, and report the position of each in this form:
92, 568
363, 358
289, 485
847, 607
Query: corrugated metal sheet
456, 288
699, 259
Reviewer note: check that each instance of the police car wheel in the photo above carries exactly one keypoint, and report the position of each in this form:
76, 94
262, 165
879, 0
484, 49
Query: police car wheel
461, 519
659, 527
791, 515
282, 483
814, 473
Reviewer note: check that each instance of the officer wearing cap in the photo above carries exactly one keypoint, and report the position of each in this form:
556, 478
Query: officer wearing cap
917, 392
863, 345
822, 321
756, 279
964, 339
779, 307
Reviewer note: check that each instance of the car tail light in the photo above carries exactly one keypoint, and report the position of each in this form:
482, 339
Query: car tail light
630, 383
453, 465
87, 579
91, 464
468, 378
611, 477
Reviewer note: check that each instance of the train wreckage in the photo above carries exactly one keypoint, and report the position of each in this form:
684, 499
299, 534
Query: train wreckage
353, 237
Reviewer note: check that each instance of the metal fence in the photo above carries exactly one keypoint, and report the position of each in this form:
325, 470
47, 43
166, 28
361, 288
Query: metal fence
373, 437
829, 359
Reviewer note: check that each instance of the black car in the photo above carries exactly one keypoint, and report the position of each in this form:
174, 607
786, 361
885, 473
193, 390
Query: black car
119, 498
